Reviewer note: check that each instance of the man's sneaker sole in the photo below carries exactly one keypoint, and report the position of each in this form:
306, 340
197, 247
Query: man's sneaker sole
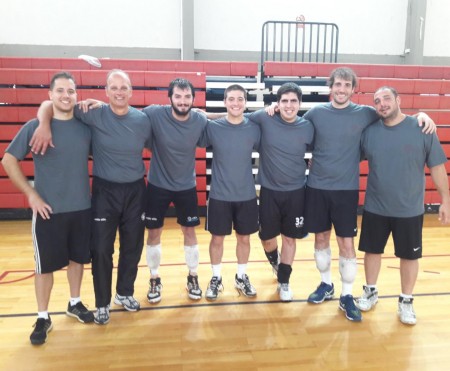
101, 322
78, 318
242, 291
326, 298
126, 307
40, 342
193, 296
365, 308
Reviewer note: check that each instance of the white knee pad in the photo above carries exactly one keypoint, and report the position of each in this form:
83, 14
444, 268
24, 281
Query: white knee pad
347, 269
191, 255
323, 259
154, 258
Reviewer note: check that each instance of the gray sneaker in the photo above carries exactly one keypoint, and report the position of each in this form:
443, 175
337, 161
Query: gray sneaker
285, 292
154, 291
406, 312
128, 302
368, 299
214, 286
193, 289
101, 317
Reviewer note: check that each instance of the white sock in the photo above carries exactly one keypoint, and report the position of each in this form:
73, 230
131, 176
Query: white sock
153, 258
217, 270
74, 301
347, 269
43, 315
241, 269
323, 264
191, 255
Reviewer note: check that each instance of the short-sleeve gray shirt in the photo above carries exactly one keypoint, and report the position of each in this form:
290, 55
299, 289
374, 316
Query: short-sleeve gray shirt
60, 176
282, 164
232, 145
174, 144
336, 153
117, 142
397, 156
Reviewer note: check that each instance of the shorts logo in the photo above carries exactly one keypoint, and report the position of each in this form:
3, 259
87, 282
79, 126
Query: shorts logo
150, 218
416, 249
100, 219
192, 218
299, 222
143, 216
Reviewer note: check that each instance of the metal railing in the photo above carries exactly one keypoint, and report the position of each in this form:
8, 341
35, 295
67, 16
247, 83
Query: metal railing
299, 42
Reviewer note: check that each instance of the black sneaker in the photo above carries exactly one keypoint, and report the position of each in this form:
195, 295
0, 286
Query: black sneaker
41, 328
193, 289
80, 312
244, 286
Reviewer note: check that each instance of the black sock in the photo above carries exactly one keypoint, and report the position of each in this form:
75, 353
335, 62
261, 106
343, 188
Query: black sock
284, 273
272, 256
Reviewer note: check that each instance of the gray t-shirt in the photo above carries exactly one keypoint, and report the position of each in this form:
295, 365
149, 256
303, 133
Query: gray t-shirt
336, 154
232, 145
117, 142
60, 176
282, 164
397, 156
173, 148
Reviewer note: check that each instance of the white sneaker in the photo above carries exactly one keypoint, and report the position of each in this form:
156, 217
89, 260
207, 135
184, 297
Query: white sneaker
368, 299
406, 312
285, 292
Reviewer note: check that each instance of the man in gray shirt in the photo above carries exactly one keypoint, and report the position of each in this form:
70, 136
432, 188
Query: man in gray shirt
397, 152
60, 201
333, 186
176, 132
285, 138
232, 198
119, 134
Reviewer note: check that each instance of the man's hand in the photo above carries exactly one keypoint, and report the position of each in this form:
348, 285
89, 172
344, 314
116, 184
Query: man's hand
38, 205
444, 213
86, 105
42, 138
429, 127
272, 109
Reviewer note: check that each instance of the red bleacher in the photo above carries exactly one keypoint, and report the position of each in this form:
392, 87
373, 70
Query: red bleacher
24, 84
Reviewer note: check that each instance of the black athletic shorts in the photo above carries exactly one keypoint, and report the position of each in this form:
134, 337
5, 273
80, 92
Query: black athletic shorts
223, 215
406, 234
158, 201
281, 212
325, 209
63, 237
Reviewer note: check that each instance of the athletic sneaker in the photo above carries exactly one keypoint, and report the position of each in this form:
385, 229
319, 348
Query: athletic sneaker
323, 292
80, 312
244, 286
214, 286
102, 315
284, 291
154, 292
347, 304
406, 312
193, 289
368, 299
41, 329
128, 302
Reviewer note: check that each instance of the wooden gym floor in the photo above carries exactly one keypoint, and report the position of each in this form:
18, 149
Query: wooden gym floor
234, 332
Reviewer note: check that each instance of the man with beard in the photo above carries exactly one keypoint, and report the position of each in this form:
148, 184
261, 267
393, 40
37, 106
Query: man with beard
397, 152
119, 134
176, 132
